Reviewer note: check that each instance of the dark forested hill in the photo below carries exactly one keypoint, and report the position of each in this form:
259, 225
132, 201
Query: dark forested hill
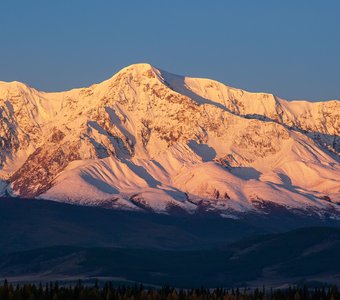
43, 240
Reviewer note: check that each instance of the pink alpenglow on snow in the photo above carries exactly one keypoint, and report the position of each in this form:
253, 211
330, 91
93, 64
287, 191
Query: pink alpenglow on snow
146, 139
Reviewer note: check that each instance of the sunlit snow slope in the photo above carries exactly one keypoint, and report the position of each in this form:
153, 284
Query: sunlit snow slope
149, 140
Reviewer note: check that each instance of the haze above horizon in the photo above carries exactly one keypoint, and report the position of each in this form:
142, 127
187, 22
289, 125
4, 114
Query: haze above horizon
287, 48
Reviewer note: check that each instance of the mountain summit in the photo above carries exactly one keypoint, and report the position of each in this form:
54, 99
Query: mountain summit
146, 139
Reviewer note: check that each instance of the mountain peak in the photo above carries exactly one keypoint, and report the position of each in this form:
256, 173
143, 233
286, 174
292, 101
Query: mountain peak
14, 86
147, 139
139, 68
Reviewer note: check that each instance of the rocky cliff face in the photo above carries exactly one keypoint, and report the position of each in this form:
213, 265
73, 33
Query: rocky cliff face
147, 139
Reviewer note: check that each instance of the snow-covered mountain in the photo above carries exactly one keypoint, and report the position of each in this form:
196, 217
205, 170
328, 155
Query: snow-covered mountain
149, 140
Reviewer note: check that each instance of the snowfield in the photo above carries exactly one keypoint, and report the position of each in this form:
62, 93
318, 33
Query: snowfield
146, 139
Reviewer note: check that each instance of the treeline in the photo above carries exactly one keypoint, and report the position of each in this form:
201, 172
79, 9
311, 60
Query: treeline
54, 291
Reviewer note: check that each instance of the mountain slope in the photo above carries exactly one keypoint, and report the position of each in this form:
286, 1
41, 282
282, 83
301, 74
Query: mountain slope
29, 224
303, 255
149, 140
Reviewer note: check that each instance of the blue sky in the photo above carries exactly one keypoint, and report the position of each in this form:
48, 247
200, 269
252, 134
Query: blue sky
289, 48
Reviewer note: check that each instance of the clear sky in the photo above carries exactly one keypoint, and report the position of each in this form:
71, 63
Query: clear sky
290, 48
